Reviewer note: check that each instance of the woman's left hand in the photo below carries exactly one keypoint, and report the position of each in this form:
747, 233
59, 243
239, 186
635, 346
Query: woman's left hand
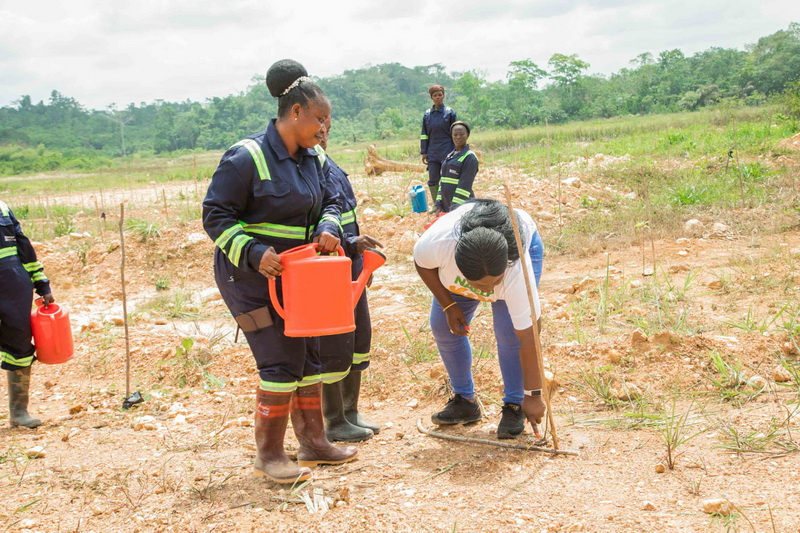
327, 243
534, 409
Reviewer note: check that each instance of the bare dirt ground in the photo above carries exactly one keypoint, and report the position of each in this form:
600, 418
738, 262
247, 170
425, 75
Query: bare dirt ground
182, 460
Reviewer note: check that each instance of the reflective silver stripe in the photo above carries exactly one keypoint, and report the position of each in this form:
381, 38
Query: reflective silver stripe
458, 201
236, 248
30, 267
277, 230
451, 181
462, 192
309, 380
8, 252
275, 386
39, 276
321, 154
463, 157
349, 217
10, 359
258, 157
331, 218
423, 137
227, 235
4, 209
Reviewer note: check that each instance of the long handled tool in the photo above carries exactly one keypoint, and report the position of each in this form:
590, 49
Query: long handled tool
537, 343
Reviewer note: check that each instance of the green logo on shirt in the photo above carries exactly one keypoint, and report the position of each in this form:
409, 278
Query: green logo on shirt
464, 283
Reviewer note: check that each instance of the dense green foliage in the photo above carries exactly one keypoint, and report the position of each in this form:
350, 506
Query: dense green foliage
385, 101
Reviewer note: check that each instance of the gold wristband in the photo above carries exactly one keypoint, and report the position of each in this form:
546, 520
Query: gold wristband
448, 307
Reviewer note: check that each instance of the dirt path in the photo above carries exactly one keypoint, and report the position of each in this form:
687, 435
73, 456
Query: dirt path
181, 461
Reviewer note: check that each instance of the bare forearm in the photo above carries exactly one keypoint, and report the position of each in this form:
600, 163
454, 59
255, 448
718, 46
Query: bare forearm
430, 276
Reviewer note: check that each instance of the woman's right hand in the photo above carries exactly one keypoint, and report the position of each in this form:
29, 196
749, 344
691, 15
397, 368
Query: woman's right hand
270, 264
457, 321
424, 159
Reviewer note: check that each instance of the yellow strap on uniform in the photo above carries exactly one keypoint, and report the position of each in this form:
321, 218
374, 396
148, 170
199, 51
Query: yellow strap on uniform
258, 157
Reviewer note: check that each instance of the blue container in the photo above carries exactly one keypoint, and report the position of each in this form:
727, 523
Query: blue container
419, 199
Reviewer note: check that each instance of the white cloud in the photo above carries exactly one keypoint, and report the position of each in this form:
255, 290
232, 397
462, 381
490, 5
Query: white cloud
101, 52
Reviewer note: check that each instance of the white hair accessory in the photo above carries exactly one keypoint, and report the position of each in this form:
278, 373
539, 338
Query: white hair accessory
294, 84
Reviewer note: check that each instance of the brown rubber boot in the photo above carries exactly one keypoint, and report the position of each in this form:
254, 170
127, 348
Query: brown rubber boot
315, 449
19, 385
272, 417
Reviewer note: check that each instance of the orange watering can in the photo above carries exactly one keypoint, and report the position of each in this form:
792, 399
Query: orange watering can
52, 333
319, 296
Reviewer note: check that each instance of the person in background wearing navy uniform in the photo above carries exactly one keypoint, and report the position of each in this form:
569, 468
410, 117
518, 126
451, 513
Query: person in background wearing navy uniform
20, 274
458, 171
434, 140
344, 357
268, 195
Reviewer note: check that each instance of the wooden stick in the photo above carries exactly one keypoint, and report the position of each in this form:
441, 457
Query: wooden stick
475, 440
536, 341
124, 301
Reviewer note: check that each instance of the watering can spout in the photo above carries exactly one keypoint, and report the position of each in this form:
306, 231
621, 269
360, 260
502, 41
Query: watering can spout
373, 260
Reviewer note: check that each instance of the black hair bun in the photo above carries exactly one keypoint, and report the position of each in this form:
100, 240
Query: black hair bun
282, 74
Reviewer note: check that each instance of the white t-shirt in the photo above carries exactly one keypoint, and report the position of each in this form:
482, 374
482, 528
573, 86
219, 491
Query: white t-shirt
436, 249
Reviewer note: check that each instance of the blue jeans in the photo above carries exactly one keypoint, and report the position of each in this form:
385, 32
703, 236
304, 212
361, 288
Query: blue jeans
456, 351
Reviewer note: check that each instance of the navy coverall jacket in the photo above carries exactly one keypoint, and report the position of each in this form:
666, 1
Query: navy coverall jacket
458, 173
20, 272
260, 197
435, 139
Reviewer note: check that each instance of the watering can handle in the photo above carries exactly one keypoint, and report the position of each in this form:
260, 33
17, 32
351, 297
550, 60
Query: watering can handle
273, 295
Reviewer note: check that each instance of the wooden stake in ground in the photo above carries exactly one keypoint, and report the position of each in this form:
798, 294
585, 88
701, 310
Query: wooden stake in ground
124, 301
536, 341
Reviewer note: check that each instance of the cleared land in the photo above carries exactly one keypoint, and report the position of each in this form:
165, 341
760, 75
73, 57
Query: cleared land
674, 346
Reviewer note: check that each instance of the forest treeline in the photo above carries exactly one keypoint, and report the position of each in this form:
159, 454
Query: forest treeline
385, 101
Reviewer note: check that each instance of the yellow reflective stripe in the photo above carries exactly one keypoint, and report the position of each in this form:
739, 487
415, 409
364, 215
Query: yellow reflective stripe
462, 192
8, 252
333, 377
4, 209
39, 276
458, 201
227, 235
360, 358
277, 230
451, 181
30, 267
331, 218
349, 217
423, 137
237, 246
258, 157
320, 154
10, 359
463, 157
309, 380
276, 386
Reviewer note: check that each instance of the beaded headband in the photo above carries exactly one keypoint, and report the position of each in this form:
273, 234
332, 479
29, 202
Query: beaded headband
294, 84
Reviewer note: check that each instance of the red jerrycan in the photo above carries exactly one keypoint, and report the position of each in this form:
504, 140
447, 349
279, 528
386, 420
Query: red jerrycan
52, 333
319, 297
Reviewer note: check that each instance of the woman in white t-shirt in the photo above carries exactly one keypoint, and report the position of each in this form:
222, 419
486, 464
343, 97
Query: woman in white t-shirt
468, 256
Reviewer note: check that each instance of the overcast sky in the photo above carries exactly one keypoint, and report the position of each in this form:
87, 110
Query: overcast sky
103, 52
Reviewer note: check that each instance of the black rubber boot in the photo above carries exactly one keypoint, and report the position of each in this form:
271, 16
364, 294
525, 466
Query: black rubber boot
351, 390
19, 384
434, 192
458, 410
512, 422
337, 426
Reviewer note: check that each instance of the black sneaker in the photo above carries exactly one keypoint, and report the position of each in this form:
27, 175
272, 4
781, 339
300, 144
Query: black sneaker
512, 423
457, 411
